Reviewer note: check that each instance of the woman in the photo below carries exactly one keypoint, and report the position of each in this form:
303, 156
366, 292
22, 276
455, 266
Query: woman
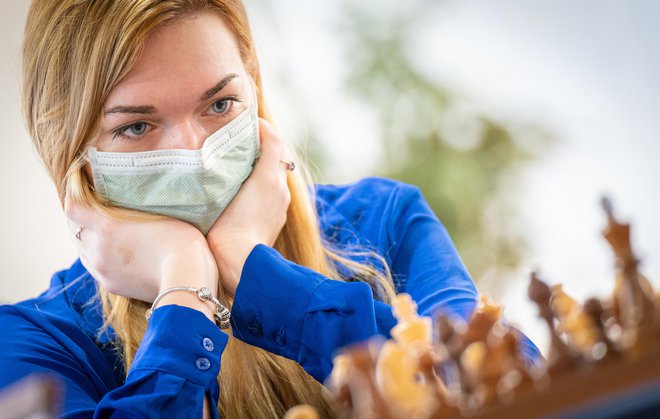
150, 117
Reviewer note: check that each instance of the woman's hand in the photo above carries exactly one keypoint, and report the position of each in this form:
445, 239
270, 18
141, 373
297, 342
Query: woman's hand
257, 213
138, 259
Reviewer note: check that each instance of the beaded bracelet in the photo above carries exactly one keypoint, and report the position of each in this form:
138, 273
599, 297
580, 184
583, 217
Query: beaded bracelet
221, 314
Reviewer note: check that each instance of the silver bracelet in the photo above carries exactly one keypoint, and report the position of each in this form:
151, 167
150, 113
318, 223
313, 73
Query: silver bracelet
221, 314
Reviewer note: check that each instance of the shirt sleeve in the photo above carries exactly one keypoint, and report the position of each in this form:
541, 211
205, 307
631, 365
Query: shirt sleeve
424, 256
297, 313
176, 365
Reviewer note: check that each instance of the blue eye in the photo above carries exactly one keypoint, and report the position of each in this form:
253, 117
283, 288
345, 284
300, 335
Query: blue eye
132, 132
221, 105
137, 129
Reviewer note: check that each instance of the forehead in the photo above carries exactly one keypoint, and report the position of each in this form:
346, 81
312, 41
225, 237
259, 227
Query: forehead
186, 55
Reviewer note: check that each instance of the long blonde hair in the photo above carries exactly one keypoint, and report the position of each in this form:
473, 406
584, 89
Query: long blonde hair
74, 53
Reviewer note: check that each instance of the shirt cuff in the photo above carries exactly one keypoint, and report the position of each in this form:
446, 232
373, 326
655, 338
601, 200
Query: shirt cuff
182, 341
271, 301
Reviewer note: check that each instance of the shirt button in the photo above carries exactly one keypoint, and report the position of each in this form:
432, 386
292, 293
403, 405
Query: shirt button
208, 344
255, 328
280, 338
203, 364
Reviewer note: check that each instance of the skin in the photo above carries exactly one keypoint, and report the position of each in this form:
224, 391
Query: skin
181, 62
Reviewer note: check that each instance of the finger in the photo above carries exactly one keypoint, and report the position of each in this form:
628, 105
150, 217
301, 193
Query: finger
280, 152
269, 168
272, 145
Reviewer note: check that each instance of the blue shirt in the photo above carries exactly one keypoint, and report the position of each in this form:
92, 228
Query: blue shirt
279, 306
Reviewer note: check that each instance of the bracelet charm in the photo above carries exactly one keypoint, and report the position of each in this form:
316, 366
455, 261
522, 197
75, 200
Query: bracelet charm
222, 314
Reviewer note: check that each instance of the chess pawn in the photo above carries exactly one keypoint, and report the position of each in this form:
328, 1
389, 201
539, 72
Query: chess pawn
448, 347
604, 346
397, 367
428, 361
473, 359
398, 378
561, 357
495, 365
337, 381
578, 327
468, 351
302, 411
410, 326
487, 314
368, 401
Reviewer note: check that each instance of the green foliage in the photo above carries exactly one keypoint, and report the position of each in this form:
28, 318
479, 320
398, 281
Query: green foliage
466, 165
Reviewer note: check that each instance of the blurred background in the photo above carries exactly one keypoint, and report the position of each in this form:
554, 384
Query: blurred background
513, 117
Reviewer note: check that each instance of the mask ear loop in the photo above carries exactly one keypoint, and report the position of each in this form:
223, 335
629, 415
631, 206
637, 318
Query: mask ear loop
255, 103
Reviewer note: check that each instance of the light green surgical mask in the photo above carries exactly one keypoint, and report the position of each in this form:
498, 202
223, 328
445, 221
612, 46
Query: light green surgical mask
191, 185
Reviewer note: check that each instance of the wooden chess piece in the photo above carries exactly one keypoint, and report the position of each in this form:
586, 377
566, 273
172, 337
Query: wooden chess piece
302, 411
605, 346
561, 356
368, 402
516, 374
410, 326
487, 314
397, 369
633, 299
338, 381
578, 327
448, 346
483, 356
428, 361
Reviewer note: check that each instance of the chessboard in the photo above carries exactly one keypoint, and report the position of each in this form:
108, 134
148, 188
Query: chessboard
603, 360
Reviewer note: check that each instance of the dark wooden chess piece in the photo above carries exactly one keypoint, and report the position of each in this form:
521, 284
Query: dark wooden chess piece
594, 309
561, 357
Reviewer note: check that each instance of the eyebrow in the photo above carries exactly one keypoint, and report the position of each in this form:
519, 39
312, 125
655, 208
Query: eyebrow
145, 110
215, 89
149, 109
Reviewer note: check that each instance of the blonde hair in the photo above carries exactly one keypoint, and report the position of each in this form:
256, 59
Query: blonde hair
74, 53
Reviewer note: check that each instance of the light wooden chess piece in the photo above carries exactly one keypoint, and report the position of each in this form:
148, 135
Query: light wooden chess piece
633, 299
367, 400
338, 381
561, 356
410, 327
302, 411
578, 327
398, 373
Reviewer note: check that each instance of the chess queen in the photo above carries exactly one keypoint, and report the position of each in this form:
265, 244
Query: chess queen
214, 278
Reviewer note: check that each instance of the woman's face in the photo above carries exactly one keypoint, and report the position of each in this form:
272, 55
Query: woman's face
189, 82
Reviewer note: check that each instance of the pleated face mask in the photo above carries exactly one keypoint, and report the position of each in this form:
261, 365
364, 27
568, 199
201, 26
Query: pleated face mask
191, 185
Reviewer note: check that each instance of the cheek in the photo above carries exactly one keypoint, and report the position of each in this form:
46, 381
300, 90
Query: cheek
127, 255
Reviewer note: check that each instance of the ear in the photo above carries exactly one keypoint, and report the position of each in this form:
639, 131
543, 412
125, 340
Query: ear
89, 176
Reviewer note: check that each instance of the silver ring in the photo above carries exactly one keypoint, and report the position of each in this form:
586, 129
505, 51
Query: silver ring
291, 165
79, 230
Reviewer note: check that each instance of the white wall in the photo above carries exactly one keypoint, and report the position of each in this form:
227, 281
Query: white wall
34, 241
